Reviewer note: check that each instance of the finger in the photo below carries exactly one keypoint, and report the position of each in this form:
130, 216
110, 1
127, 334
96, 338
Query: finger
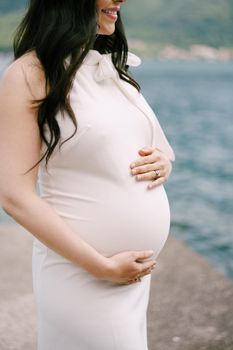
150, 157
144, 260
145, 160
148, 272
144, 168
150, 175
150, 167
137, 278
146, 150
150, 268
144, 254
147, 265
150, 150
157, 182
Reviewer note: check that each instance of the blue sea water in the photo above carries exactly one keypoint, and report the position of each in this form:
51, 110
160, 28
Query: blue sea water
194, 103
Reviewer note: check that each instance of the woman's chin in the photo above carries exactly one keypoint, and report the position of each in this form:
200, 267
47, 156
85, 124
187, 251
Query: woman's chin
108, 30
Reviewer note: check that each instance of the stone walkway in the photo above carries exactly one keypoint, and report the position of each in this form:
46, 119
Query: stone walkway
190, 308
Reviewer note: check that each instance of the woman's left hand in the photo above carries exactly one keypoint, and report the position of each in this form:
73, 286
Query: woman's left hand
151, 159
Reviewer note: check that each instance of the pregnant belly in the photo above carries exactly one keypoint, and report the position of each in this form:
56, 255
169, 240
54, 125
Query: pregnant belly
122, 220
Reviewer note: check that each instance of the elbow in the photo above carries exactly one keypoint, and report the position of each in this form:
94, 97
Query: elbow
5, 207
11, 204
8, 204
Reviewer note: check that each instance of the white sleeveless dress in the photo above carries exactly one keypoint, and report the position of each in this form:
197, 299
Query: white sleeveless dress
91, 187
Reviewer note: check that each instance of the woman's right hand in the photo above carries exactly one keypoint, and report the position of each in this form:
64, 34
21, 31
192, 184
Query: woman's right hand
124, 267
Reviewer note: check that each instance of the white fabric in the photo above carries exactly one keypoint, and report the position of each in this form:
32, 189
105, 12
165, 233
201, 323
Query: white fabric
91, 187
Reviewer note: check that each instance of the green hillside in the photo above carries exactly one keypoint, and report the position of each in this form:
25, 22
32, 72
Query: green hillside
181, 22
160, 22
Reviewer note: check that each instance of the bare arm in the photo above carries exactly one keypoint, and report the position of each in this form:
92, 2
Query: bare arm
20, 146
20, 149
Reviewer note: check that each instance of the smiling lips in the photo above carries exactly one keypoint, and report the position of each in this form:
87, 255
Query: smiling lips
111, 13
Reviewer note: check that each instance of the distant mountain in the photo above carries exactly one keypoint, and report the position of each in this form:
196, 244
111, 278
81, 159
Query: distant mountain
158, 22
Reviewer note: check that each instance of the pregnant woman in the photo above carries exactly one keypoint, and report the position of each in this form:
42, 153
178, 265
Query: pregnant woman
73, 118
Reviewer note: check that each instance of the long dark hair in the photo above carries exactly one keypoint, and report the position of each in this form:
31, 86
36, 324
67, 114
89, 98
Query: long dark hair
55, 30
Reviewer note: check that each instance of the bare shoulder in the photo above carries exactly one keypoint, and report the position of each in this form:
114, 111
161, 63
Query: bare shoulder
25, 76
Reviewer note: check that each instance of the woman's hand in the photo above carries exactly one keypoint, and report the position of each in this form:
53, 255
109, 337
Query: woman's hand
151, 159
128, 267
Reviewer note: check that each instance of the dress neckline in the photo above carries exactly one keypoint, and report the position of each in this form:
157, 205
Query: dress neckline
93, 58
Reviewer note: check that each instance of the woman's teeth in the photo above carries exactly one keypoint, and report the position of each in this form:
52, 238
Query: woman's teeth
114, 13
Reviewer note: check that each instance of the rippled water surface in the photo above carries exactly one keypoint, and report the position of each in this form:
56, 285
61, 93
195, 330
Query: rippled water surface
194, 103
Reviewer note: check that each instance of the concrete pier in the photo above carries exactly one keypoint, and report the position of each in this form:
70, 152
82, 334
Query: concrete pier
190, 308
